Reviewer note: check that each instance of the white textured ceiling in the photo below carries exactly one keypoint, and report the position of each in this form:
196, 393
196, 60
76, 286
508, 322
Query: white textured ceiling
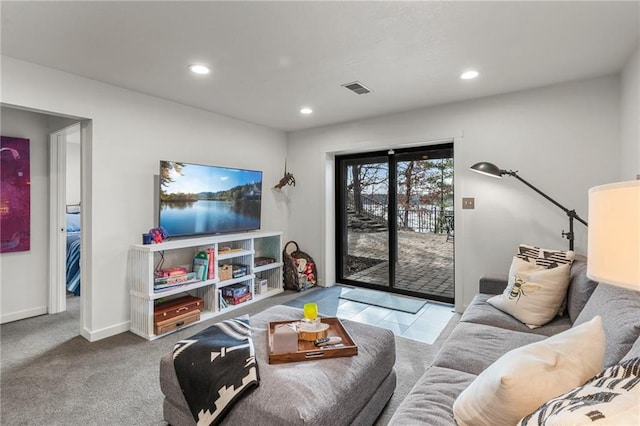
271, 58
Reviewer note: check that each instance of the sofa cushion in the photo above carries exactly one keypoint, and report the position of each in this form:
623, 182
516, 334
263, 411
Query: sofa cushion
481, 312
610, 398
523, 379
634, 352
580, 288
473, 347
534, 293
620, 312
430, 401
493, 283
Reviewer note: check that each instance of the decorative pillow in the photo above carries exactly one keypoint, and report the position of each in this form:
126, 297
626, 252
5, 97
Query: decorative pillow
549, 258
534, 293
524, 378
611, 398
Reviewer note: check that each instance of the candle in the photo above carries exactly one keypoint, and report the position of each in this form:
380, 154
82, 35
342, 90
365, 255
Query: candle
310, 311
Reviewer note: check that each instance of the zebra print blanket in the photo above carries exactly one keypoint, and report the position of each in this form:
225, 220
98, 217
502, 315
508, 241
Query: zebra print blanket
215, 367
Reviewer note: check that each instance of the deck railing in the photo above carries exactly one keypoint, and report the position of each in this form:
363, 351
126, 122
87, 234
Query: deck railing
420, 219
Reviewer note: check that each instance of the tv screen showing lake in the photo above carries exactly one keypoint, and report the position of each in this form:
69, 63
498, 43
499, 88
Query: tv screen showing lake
209, 216
198, 199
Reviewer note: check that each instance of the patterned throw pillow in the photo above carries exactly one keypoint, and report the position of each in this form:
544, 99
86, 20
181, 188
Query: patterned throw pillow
547, 258
534, 293
526, 377
610, 398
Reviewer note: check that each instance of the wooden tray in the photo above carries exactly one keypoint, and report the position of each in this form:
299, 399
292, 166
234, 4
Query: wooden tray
307, 351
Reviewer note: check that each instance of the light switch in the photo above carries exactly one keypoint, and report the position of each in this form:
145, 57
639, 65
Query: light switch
468, 203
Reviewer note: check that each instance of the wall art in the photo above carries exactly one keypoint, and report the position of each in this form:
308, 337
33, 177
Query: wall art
15, 195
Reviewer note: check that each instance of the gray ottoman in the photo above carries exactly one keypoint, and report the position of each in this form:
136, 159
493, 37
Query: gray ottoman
338, 391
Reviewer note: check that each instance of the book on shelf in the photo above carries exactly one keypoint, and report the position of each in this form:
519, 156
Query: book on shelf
175, 279
225, 250
221, 302
262, 261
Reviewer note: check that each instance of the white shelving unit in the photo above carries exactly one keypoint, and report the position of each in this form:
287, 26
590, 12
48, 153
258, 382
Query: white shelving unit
229, 249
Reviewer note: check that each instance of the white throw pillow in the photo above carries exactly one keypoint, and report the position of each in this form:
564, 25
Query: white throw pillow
534, 293
524, 378
612, 398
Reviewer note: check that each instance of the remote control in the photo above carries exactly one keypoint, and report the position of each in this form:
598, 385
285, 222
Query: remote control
328, 341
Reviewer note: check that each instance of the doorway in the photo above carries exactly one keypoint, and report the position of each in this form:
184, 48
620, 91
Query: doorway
65, 217
394, 221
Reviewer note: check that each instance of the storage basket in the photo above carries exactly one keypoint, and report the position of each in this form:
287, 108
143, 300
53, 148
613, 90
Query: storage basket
225, 272
299, 268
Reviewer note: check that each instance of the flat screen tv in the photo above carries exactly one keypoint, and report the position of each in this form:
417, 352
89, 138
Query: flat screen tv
197, 199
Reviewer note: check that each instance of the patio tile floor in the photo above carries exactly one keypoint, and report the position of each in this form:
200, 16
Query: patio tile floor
427, 269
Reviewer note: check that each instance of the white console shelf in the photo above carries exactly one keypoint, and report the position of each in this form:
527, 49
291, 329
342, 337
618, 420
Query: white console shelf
241, 248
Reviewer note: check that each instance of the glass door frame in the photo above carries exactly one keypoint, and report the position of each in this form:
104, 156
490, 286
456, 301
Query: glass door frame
341, 225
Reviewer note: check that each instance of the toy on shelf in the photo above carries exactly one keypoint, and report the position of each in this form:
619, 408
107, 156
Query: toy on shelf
158, 235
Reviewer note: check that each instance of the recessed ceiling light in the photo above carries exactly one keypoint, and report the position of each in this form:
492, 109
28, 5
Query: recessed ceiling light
199, 69
306, 110
468, 75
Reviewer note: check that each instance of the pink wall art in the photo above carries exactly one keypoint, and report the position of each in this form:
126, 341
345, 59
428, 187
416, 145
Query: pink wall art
15, 195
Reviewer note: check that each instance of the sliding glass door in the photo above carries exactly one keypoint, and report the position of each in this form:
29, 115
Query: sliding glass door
364, 225
394, 227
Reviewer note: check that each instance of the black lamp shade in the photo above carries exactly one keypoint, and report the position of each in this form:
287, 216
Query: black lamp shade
488, 169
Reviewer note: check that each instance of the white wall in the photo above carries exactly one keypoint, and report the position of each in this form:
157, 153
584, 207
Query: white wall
630, 119
25, 275
563, 139
131, 132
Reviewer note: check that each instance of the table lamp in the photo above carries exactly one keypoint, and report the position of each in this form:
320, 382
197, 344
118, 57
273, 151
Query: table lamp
614, 234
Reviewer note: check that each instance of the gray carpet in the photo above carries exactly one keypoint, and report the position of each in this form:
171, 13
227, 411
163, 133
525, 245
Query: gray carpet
50, 375
384, 300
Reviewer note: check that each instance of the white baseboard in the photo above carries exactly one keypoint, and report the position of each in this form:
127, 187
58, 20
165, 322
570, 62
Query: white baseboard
27, 313
103, 333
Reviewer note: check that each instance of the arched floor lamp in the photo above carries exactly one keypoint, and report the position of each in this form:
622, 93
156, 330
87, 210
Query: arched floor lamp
492, 170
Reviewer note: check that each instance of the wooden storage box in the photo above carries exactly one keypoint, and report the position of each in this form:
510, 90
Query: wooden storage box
176, 322
176, 307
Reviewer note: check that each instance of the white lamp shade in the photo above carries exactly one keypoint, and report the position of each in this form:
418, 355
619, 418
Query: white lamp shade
614, 234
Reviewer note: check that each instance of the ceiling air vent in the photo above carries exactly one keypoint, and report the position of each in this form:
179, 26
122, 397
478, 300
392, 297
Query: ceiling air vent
357, 87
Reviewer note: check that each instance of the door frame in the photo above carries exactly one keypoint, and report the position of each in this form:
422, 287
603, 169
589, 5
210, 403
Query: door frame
340, 222
57, 216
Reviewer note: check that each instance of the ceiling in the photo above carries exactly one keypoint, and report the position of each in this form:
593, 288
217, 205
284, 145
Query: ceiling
269, 59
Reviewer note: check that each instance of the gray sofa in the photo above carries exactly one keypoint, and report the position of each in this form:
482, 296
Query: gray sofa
485, 333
